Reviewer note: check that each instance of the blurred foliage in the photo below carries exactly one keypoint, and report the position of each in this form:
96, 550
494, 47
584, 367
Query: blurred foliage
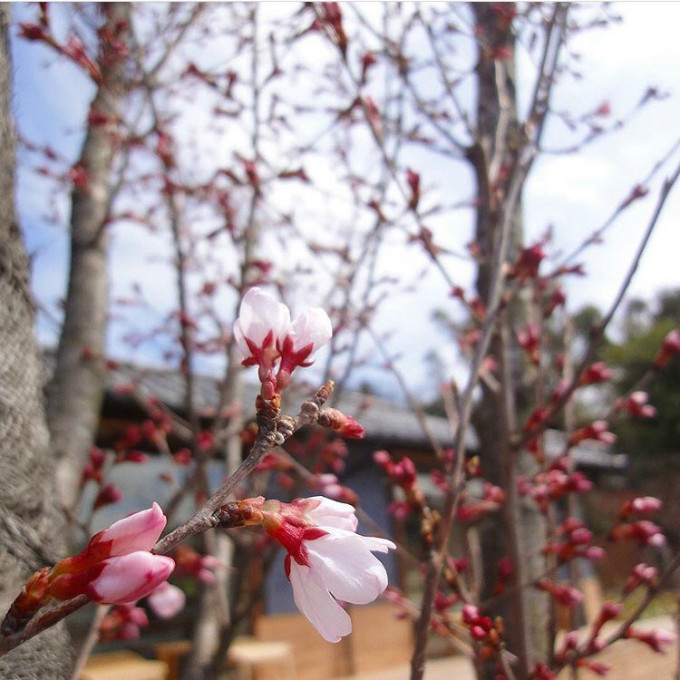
653, 444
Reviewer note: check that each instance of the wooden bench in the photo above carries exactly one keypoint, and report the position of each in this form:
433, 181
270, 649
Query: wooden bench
171, 653
262, 660
123, 665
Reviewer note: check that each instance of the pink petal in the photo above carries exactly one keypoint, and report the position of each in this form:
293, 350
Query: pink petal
167, 600
139, 531
130, 577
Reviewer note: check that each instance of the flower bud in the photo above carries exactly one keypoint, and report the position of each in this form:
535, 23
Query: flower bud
167, 600
129, 577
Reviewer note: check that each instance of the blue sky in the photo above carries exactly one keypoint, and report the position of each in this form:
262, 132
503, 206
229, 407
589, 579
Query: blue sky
575, 194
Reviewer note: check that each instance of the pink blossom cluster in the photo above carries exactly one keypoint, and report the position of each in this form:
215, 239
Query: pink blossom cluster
595, 373
573, 540
643, 531
636, 405
596, 431
643, 506
529, 340
493, 498
483, 630
190, 562
567, 652
266, 337
562, 594
123, 622
403, 474
552, 484
641, 574
116, 566
669, 348
654, 639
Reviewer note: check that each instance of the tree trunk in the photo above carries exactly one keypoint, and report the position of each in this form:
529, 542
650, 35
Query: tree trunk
76, 391
31, 526
519, 531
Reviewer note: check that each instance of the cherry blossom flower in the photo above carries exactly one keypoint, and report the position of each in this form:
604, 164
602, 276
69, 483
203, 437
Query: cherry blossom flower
262, 324
263, 334
327, 561
310, 331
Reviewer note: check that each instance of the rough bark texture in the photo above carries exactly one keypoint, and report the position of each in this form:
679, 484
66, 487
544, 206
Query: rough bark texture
518, 532
31, 527
76, 391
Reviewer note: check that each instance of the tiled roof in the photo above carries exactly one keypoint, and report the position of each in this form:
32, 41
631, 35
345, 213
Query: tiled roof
383, 419
386, 422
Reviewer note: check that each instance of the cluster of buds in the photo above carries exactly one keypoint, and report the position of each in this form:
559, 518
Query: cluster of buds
188, 561
266, 338
123, 623
492, 500
654, 639
608, 612
558, 298
641, 574
643, 531
669, 348
594, 374
527, 264
565, 655
636, 405
575, 540
596, 431
554, 483
320, 451
529, 340
94, 470
403, 473
485, 631
330, 486
116, 567
643, 506
504, 573
562, 594
541, 671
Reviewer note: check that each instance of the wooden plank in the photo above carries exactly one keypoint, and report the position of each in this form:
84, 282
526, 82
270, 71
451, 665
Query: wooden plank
123, 665
380, 640
315, 659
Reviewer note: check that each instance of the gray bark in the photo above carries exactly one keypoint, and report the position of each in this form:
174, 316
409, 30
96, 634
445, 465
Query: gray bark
76, 391
31, 527
519, 531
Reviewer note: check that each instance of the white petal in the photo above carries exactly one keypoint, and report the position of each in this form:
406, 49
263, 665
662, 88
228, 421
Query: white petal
316, 603
312, 326
347, 567
330, 513
259, 313
239, 338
